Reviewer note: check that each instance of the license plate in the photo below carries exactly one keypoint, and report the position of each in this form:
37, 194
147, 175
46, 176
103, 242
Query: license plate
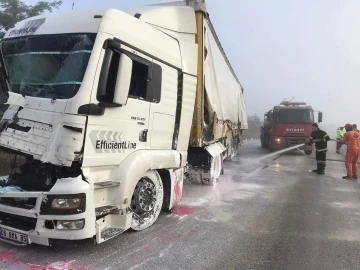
14, 236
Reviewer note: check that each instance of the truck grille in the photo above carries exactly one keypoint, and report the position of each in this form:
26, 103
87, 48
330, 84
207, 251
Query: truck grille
292, 142
28, 203
17, 222
295, 134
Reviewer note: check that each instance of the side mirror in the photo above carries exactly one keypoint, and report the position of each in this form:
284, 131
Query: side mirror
123, 80
115, 78
320, 117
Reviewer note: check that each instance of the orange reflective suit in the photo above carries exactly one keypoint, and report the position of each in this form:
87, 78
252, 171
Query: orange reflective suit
352, 140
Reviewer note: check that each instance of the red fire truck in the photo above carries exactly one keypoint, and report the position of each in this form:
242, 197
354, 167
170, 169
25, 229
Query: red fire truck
288, 124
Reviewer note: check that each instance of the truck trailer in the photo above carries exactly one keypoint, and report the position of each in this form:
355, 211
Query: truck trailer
108, 113
288, 124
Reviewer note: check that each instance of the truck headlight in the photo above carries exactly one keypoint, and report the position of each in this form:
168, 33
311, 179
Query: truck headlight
277, 140
70, 224
67, 204
63, 203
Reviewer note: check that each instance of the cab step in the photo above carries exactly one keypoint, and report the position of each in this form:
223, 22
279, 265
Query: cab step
106, 210
107, 184
111, 232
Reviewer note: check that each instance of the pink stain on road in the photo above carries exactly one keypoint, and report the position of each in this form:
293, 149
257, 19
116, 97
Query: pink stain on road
133, 255
182, 211
9, 258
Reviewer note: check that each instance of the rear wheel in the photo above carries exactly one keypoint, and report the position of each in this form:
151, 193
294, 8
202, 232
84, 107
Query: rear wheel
236, 147
147, 200
206, 174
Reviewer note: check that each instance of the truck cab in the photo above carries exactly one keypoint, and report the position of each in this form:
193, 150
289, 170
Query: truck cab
97, 127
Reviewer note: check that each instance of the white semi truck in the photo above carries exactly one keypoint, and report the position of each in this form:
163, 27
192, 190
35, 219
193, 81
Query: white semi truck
107, 113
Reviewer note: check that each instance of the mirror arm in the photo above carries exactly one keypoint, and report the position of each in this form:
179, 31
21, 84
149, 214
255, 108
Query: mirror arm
109, 105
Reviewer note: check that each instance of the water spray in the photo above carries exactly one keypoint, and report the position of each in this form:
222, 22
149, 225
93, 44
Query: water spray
281, 151
298, 148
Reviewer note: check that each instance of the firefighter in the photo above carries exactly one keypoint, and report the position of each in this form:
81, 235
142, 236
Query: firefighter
339, 137
352, 140
320, 138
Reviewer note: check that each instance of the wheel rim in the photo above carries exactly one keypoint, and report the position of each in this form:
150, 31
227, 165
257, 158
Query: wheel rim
144, 198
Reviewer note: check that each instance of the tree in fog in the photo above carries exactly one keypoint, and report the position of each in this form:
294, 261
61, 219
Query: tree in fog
13, 11
254, 124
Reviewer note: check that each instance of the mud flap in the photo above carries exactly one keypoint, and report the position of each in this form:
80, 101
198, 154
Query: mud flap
215, 149
112, 225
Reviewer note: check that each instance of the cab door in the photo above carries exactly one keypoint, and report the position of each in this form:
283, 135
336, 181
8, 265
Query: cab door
119, 130
163, 109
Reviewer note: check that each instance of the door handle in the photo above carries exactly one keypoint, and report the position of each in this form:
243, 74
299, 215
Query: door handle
143, 135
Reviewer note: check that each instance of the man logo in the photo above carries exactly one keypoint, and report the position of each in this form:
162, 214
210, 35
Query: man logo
28, 29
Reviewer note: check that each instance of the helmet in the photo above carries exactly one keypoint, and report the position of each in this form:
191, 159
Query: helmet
348, 127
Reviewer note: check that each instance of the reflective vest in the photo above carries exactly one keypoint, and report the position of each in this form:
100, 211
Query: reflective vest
339, 134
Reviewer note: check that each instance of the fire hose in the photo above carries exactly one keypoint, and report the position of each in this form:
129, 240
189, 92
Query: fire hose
298, 148
328, 159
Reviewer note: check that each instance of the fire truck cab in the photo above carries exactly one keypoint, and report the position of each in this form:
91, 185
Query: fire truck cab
288, 124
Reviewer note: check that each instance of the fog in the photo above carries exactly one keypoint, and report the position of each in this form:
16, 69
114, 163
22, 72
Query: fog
281, 49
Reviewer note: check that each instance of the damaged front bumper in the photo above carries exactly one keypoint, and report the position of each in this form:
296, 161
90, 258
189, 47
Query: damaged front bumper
24, 219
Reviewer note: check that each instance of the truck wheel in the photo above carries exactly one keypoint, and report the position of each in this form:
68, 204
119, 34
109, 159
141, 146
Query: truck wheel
209, 175
147, 200
236, 148
308, 152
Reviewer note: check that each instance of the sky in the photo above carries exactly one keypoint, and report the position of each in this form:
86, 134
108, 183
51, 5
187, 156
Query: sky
281, 49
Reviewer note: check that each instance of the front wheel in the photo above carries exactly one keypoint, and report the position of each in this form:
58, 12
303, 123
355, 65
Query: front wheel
308, 152
147, 200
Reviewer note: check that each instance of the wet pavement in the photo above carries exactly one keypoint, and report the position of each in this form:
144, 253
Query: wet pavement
272, 214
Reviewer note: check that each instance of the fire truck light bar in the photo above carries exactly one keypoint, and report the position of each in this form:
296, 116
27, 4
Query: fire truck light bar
287, 103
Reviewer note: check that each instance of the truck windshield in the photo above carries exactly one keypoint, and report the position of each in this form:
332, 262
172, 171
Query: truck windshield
295, 116
51, 66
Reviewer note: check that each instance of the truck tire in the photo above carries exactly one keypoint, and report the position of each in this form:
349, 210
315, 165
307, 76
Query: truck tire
236, 148
308, 152
147, 201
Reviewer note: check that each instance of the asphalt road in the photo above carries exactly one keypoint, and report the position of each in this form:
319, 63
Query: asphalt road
273, 214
